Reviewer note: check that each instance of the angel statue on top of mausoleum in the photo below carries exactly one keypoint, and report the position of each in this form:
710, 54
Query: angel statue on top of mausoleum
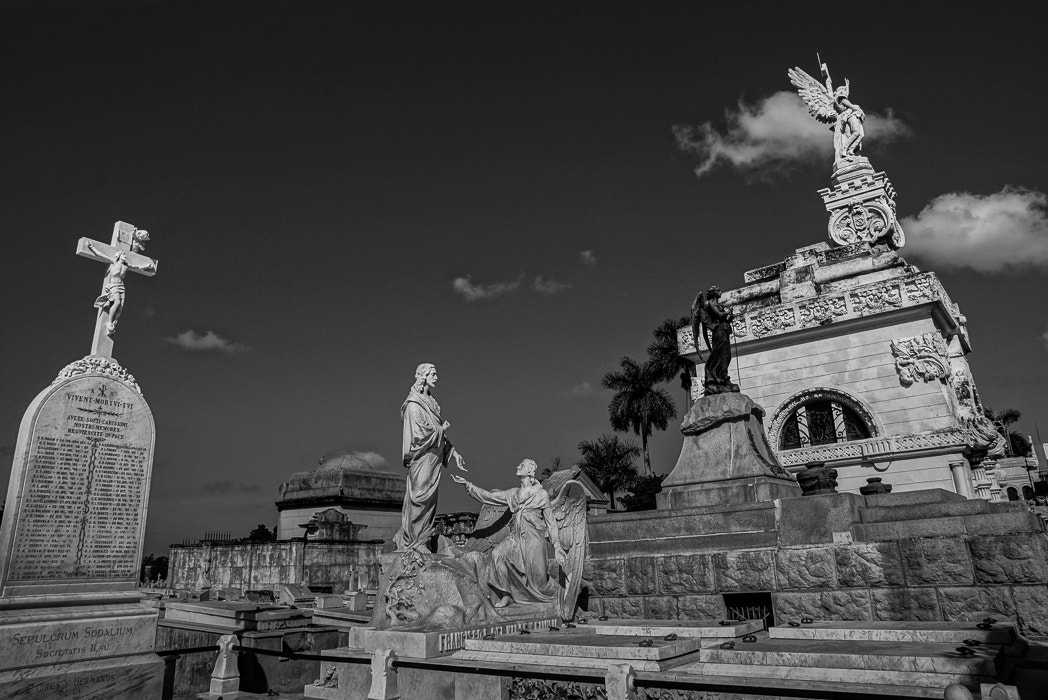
832, 106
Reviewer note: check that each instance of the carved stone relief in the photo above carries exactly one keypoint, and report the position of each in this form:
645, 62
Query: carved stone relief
923, 357
874, 299
776, 319
920, 289
822, 311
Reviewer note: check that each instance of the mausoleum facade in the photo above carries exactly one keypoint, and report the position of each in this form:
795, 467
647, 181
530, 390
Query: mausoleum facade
859, 360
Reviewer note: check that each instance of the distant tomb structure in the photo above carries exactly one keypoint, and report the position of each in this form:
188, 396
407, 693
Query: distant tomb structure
365, 494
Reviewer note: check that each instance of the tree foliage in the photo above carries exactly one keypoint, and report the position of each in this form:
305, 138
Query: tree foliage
609, 461
642, 494
663, 354
638, 405
262, 534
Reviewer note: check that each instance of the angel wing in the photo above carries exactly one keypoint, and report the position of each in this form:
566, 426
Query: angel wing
814, 93
569, 508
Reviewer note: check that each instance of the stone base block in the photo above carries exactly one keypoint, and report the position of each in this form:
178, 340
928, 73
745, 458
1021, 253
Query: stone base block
120, 678
753, 489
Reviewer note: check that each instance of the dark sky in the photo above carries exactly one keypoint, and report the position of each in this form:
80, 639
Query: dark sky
316, 175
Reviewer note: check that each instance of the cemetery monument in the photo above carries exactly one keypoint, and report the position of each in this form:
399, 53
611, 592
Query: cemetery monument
71, 619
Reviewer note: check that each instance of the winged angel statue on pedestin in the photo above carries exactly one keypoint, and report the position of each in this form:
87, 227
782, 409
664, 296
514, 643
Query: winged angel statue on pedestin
832, 106
513, 528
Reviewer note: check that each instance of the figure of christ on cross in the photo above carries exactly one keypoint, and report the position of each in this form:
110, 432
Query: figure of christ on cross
122, 254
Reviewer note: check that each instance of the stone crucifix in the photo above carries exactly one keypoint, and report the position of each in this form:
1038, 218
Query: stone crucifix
123, 254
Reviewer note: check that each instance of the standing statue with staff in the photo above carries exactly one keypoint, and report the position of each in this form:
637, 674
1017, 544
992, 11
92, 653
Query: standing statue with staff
831, 105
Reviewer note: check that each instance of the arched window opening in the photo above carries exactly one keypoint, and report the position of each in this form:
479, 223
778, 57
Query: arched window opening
1013, 493
1027, 493
822, 422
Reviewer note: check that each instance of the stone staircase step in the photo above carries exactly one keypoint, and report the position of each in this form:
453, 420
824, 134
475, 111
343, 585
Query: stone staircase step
933, 682
890, 656
682, 628
922, 511
984, 524
930, 632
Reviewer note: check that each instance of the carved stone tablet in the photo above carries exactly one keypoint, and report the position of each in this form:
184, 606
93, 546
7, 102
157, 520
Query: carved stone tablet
76, 504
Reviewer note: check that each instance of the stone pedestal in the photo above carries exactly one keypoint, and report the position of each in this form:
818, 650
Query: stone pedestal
725, 458
861, 203
71, 618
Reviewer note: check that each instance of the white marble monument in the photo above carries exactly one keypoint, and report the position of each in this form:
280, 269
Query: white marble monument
72, 623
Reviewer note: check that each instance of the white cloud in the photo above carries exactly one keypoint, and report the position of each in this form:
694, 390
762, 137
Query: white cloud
580, 389
587, 258
773, 134
483, 292
549, 287
373, 458
206, 342
1002, 232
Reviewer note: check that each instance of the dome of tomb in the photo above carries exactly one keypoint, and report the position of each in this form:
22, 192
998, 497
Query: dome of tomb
346, 462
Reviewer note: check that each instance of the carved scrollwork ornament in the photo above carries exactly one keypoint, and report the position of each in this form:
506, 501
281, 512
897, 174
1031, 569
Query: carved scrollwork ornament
862, 221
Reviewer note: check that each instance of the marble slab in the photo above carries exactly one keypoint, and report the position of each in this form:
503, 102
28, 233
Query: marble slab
591, 646
236, 616
79, 488
79, 638
123, 678
681, 628
434, 643
343, 618
935, 632
863, 655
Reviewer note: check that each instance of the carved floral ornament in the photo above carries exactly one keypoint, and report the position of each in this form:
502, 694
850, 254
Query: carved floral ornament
93, 364
924, 357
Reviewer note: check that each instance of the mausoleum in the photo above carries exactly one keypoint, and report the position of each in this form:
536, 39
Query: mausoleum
858, 357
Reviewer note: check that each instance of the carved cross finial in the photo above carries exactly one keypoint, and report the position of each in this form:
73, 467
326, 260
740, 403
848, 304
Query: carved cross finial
122, 254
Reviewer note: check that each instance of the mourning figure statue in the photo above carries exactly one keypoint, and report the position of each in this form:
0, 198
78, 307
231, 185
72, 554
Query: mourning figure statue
514, 566
711, 321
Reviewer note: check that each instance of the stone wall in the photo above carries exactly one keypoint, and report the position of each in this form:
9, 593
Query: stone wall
268, 565
834, 557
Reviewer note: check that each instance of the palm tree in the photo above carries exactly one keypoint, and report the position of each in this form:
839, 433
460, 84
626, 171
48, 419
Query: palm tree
1015, 442
637, 404
664, 354
609, 462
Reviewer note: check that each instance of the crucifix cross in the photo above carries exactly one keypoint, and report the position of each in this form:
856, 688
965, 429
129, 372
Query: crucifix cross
122, 254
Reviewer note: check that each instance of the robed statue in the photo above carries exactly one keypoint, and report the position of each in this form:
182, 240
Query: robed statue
425, 450
711, 321
831, 105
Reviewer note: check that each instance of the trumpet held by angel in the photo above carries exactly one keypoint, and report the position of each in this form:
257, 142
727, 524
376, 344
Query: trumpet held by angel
831, 105
512, 560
